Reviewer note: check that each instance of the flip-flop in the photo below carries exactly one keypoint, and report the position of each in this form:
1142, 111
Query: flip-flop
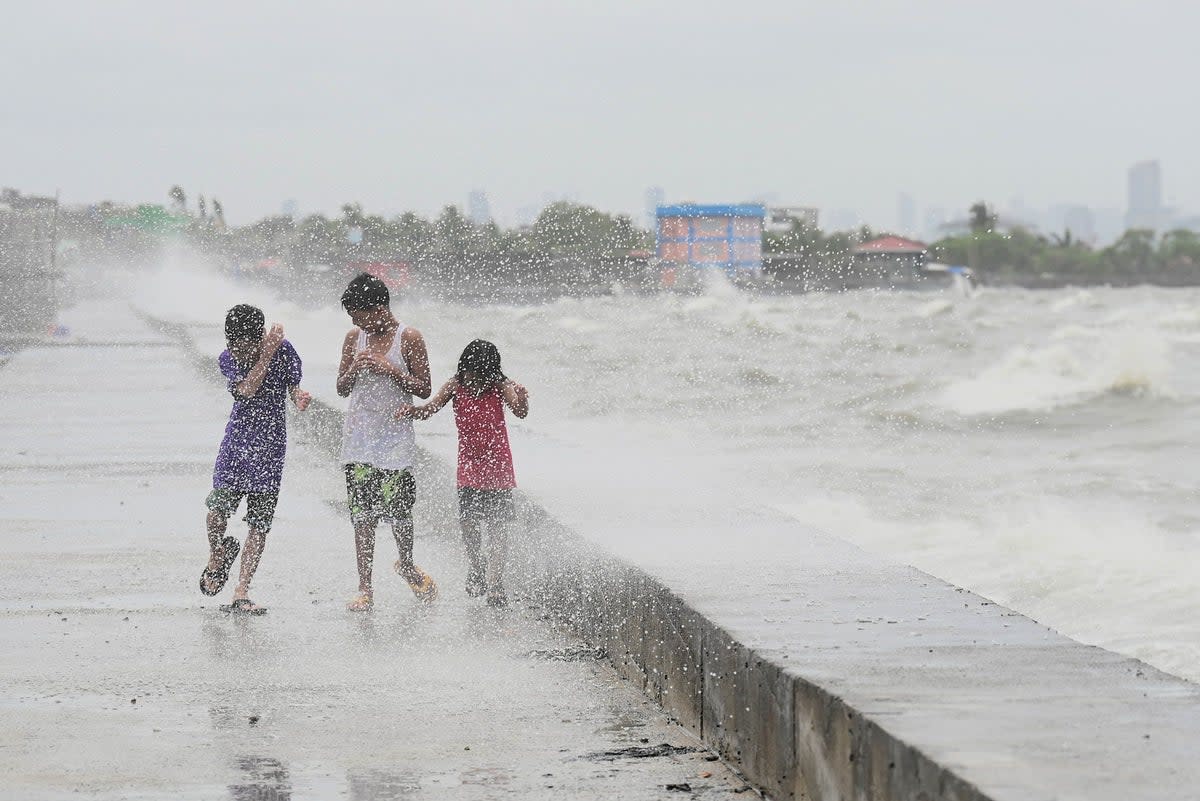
244, 606
424, 587
361, 603
220, 576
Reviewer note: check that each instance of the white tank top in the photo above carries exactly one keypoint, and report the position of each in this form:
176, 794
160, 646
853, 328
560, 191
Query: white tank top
371, 433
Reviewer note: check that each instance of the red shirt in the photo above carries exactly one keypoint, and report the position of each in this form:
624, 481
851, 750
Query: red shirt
484, 457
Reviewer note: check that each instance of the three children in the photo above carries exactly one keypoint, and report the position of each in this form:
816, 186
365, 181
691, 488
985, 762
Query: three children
384, 364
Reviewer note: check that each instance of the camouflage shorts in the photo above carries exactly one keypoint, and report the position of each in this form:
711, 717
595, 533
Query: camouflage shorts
260, 506
374, 494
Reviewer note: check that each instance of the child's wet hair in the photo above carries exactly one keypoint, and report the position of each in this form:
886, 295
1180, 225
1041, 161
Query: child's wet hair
366, 291
482, 359
243, 322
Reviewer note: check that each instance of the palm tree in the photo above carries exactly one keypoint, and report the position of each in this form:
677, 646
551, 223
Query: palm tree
981, 218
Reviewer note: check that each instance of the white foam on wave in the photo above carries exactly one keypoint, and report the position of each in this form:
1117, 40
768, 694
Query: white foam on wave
934, 308
1077, 365
1083, 298
186, 289
1186, 317
579, 325
1100, 573
724, 305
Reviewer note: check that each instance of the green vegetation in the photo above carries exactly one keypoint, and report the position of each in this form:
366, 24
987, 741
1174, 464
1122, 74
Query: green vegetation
579, 239
1021, 257
1015, 256
562, 230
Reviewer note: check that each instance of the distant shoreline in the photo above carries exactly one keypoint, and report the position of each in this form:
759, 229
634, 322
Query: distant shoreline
1175, 279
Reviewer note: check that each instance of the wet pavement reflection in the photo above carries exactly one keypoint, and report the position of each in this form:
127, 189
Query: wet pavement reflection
120, 680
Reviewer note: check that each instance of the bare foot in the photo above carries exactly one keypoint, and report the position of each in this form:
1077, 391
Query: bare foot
361, 603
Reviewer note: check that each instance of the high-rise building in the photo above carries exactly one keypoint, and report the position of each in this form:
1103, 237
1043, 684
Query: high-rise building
1145, 208
935, 219
906, 214
843, 220
782, 218
479, 212
527, 215
1109, 223
1080, 222
655, 197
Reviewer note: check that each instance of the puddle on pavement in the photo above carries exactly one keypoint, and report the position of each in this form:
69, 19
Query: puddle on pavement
571, 653
641, 752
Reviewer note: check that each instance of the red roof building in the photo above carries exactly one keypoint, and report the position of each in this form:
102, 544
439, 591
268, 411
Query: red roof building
891, 246
888, 261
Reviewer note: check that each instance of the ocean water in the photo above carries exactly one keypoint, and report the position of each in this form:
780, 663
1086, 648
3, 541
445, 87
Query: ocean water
1037, 447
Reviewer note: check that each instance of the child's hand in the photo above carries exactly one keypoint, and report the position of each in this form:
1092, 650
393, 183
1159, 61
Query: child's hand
517, 398
301, 398
274, 337
406, 412
372, 362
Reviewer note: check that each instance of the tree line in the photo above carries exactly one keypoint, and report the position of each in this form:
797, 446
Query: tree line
579, 237
1139, 254
1013, 255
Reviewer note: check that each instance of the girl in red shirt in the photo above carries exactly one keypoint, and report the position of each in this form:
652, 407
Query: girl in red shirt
480, 391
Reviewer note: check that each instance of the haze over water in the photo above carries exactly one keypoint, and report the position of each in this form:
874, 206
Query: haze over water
1032, 446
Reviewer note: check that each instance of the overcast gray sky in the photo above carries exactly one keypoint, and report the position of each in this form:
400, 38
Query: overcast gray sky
410, 106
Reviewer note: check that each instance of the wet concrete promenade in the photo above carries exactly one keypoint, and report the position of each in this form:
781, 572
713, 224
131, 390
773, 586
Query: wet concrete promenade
822, 671
826, 672
118, 679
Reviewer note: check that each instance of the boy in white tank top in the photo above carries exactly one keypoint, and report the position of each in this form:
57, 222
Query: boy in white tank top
383, 363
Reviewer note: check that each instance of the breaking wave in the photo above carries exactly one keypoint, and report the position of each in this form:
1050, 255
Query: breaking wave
1077, 365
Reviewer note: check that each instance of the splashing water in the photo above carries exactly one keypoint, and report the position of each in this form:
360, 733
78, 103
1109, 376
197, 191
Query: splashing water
1024, 444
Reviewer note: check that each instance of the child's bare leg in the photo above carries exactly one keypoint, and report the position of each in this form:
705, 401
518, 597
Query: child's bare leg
496, 559
256, 540
364, 546
473, 541
402, 530
216, 523
418, 581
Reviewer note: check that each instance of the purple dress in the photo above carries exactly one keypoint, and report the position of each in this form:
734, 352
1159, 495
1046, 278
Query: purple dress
251, 454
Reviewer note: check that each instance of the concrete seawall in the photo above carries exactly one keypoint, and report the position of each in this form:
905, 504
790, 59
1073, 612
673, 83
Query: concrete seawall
821, 671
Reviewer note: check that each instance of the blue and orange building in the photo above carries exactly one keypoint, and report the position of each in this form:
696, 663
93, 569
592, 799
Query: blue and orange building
725, 237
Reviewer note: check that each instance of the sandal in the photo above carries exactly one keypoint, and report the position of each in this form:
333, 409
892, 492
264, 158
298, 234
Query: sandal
361, 603
244, 606
419, 582
217, 578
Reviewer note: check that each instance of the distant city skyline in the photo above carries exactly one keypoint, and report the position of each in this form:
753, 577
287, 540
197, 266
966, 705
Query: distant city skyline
409, 107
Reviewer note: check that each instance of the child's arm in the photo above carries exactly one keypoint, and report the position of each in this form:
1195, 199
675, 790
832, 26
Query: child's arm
300, 398
248, 387
416, 356
349, 366
517, 398
427, 410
